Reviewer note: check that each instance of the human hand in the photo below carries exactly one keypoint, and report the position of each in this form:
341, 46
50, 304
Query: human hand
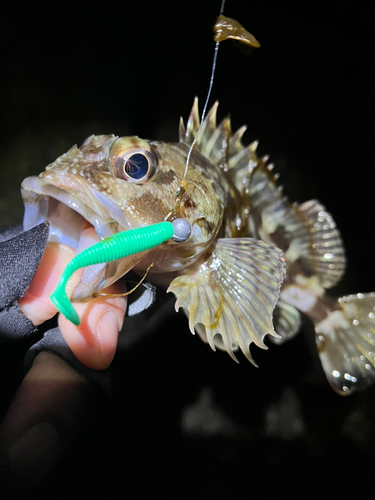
94, 341
48, 409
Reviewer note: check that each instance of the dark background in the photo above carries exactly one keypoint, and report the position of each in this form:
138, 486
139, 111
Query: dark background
186, 422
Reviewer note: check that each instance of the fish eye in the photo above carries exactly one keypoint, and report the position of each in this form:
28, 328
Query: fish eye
137, 167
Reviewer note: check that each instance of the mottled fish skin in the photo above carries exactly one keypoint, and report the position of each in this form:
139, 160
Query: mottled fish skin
86, 171
82, 179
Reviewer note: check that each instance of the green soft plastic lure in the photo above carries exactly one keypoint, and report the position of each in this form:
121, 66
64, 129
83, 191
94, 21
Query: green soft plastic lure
115, 247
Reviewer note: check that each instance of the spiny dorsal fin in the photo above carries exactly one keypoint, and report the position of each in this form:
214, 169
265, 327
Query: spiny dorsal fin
212, 138
188, 135
235, 142
193, 123
306, 233
208, 127
244, 158
215, 146
181, 130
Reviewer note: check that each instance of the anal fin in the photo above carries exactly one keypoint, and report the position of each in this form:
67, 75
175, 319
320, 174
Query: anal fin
287, 321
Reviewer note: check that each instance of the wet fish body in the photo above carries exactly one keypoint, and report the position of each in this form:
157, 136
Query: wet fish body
229, 275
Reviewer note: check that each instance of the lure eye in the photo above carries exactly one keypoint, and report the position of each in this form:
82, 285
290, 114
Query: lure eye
138, 166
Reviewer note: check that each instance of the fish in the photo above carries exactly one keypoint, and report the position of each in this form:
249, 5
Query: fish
229, 283
254, 261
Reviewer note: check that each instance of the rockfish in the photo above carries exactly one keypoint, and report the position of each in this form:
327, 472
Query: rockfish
253, 261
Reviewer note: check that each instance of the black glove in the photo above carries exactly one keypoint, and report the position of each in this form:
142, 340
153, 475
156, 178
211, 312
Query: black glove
20, 254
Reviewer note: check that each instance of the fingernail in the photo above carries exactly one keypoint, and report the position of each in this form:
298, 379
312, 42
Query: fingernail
107, 330
35, 453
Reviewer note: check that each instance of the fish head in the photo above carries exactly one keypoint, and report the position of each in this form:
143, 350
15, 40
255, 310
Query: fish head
116, 184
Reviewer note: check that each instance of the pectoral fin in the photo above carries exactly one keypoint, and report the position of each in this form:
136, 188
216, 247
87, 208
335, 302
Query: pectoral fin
233, 293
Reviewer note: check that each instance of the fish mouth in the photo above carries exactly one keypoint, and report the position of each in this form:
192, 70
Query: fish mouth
44, 198
69, 210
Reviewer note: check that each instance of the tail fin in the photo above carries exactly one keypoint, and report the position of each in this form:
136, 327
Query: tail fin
346, 343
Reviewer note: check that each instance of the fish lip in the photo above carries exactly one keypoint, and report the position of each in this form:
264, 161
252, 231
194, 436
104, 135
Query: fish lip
107, 218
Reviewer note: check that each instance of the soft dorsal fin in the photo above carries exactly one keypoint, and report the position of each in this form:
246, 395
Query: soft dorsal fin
306, 233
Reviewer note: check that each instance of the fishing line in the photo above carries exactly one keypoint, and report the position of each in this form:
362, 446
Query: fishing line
216, 51
125, 294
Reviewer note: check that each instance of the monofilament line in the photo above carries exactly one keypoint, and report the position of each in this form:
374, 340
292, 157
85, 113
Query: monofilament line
207, 99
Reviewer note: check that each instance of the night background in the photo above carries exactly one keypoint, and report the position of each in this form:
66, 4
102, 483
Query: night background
185, 422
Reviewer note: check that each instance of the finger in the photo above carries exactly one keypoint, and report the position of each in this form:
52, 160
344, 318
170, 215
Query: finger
43, 419
36, 304
94, 341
